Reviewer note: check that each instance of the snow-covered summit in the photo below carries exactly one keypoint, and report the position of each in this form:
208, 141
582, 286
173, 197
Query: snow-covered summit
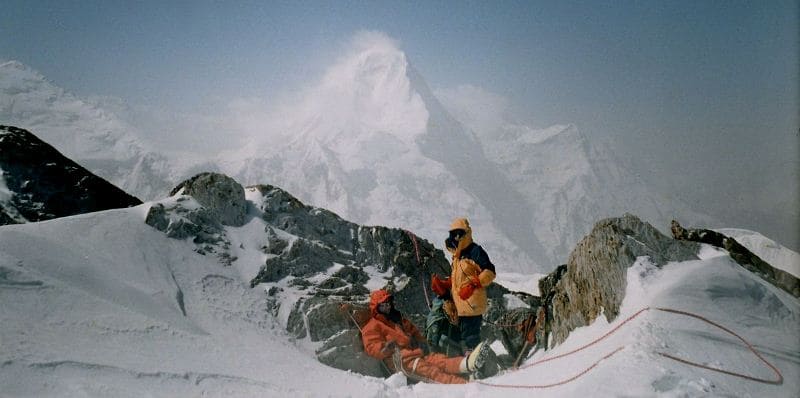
566, 175
367, 92
77, 128
371, 143
375, 144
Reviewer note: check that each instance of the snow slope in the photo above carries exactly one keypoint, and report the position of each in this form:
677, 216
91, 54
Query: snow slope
103, 305
770, 251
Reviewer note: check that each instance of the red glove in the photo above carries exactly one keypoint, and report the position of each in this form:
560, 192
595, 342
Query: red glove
466, 291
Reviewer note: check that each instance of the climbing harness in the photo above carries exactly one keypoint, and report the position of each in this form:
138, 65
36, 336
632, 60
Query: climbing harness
777, 381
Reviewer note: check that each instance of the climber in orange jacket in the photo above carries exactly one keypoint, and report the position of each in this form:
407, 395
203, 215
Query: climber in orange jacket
387, 331
471, 272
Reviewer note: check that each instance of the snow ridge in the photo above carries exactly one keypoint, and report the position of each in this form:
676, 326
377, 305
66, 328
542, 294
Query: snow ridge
90, 309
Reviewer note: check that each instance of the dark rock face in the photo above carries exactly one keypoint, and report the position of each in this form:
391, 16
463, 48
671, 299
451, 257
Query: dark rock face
43, 184
219, 194
223, 203
304, 242
595, 277
321, 240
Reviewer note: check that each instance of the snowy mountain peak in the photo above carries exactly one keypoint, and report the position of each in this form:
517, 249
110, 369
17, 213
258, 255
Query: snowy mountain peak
528, 135
367, 91
19, 67
18, 79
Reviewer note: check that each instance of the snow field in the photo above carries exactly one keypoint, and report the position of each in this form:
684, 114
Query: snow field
103, 305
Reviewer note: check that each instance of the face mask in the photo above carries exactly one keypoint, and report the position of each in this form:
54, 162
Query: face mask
455, 236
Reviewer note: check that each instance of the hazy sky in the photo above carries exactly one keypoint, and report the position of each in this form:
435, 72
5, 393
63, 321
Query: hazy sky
669, 82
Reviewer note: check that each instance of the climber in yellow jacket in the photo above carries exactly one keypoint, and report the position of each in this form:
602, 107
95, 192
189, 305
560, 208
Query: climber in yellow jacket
472, 272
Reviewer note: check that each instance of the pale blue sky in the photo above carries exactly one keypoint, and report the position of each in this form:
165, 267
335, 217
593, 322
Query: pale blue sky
669, 82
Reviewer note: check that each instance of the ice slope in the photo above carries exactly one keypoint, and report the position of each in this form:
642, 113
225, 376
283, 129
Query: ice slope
103, 305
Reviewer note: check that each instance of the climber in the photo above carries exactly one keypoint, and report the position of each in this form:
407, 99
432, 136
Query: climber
388, 331
472, 272
441, 327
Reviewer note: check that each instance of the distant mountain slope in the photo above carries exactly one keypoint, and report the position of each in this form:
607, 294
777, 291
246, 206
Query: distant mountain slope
372, 142
38, 183
569, 179
86, 132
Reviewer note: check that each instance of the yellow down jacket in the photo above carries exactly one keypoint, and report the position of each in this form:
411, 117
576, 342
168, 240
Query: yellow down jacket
469, 260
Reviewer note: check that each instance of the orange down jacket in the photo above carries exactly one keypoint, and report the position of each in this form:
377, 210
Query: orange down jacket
379, 330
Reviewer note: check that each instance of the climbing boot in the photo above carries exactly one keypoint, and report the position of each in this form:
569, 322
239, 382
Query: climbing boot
477, 358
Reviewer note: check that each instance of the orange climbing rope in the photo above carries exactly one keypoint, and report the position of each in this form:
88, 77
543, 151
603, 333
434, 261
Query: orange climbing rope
419, 262
777, 381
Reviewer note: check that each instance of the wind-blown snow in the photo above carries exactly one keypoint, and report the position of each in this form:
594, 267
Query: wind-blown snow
6, 195
103, 305
367, 92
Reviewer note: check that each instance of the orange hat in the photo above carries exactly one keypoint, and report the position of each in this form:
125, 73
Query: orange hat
460, 223
377, 297
440, 286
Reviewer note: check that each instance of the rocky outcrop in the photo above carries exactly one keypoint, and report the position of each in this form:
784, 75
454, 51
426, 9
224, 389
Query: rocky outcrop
323, 267
305, 242
743, 256
594, 281
219, 194
199, 209
38, 183
315, 263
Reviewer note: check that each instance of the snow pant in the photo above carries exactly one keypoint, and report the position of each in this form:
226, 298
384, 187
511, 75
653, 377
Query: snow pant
436, 367
471, 330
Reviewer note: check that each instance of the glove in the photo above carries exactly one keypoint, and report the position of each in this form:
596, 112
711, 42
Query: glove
389, 347
466, 291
